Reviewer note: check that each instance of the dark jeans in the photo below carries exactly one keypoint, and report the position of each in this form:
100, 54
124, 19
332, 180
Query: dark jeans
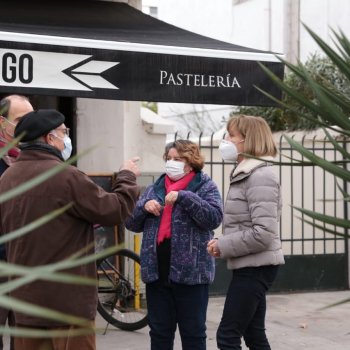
172, 304
245, 309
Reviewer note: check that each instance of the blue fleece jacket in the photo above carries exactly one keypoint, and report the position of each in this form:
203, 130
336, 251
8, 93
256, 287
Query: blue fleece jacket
196, 213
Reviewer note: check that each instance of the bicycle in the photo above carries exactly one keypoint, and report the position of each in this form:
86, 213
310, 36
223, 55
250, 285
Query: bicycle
121, 294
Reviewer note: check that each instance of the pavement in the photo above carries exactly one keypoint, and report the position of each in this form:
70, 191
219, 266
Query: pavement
294, 321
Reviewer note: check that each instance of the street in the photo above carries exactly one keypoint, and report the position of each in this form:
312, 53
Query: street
294, 322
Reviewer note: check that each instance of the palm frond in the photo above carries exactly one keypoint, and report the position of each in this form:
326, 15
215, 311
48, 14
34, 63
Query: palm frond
327, 219
340, 62
316, 160
45, 333
33, 225
50, 271
325, 229
35, 310
40, 178
341, 302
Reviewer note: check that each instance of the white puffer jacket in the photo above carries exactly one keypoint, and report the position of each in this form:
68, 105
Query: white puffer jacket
251, 220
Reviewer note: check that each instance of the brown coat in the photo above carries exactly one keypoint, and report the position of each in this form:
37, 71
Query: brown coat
63, 236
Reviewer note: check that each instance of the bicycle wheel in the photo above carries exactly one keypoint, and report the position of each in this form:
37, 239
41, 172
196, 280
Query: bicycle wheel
121, 294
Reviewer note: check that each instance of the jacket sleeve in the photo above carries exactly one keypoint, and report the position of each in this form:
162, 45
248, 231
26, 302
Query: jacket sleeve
95, 205
204, 207
136, 221
263, 200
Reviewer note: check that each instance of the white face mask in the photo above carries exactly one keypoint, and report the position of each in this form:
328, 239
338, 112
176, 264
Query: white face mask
67, 151
228, 150
175, 169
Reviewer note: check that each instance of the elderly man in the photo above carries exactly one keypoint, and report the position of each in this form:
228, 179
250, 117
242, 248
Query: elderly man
12, 108
46, 143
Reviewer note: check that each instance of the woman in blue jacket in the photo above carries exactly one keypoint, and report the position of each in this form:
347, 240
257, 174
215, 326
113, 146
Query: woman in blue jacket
177, 215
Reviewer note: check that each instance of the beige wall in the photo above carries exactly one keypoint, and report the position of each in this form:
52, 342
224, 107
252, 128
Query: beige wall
100, 123
117, 131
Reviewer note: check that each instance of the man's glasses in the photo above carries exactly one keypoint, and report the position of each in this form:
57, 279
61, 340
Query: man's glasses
64, 130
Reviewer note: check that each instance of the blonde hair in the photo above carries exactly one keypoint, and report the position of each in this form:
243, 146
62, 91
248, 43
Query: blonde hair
258, 139
187, 150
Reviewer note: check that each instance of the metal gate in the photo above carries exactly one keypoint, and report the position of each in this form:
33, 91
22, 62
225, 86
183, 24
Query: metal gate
315, 259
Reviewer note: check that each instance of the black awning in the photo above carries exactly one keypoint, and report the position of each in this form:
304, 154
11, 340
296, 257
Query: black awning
102, 49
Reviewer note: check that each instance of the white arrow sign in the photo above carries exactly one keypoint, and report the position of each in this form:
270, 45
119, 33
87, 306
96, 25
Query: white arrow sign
42, 69
89, 72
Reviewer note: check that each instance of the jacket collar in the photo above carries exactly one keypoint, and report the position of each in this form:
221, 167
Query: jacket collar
198, 180
247, 165
42, 147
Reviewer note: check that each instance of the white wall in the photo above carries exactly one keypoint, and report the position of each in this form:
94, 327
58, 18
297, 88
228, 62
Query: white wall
251, 26
149, 146
245, 24
100, 124
115, 127
258, 24
209, 18
321, 16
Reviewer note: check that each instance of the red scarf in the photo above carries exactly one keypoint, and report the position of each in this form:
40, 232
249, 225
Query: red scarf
165, 222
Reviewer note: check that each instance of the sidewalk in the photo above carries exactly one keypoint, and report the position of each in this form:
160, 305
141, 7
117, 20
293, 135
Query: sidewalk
294, 322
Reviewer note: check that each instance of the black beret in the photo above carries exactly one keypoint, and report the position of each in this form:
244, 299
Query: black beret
38, 123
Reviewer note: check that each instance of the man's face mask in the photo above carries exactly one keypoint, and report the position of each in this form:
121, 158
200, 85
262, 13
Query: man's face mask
67, 151
8, 127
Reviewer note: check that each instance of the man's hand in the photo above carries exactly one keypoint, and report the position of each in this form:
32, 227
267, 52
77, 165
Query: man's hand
153, 207
131, 165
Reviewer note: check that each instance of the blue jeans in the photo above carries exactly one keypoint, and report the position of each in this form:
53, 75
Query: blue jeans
245, 309
172, 304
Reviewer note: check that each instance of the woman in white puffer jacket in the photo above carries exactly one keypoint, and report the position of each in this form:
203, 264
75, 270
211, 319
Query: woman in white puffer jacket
250, 243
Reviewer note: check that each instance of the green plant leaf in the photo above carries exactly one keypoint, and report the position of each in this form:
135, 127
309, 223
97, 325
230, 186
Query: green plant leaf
312, 108
34, 310
328, 219
49, 271
331, 168
333, 55
337, 98
344, 193
40, 178
45, 333
33, 225
336, 145
323, 228
327, 109
336, 304
10, 145
291, 92
34, 274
